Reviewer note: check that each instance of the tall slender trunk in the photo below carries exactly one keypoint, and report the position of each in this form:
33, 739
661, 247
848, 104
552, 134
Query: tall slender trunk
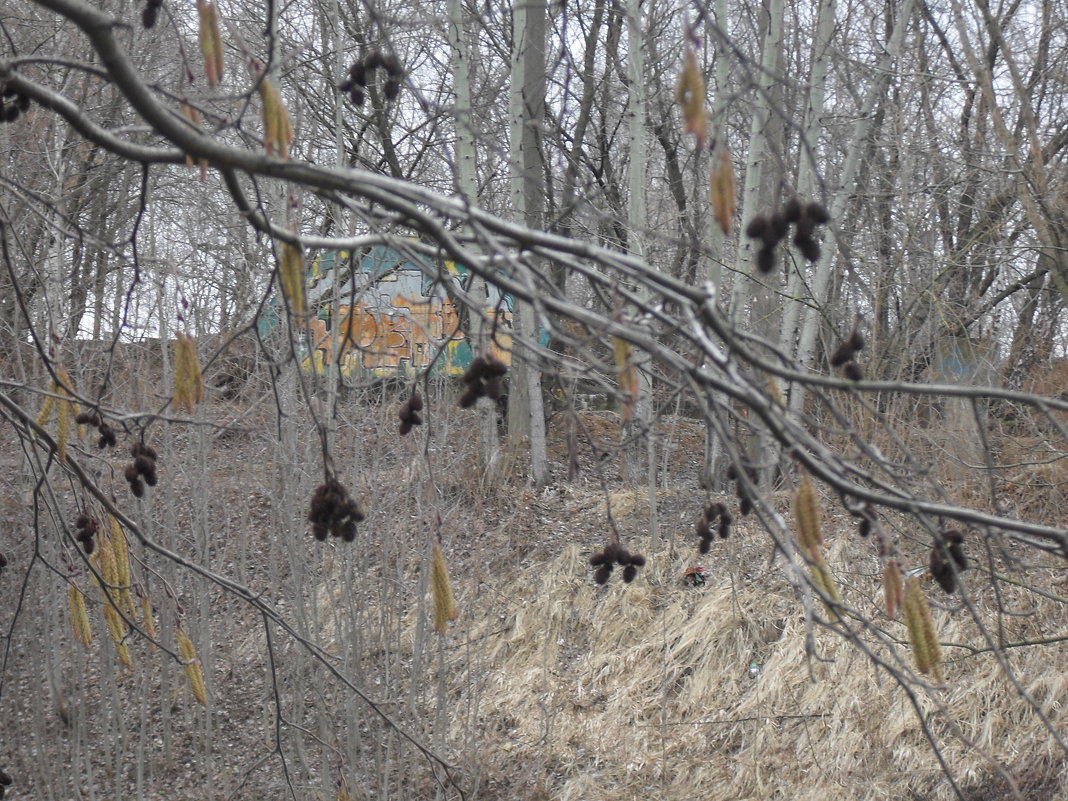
526, 417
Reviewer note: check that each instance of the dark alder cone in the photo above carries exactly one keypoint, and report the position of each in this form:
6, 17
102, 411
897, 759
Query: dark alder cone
144, 464
373, 61
405, 428
107, 437
745, 506
150, 477
843, 353
778, 227
3, 561
5, 779
756, 227
470, 396
82, 521
391, 64
637, 559
601, 574
88, 545
629, 572
597, 559
853, 371
346, 86
358, 74
148, 16
86, 418
391, 89
817, 213
494, 367
732, 472
415, 403
792, 210
864, 527
765, 260
623, 557
612, 551
357, 97
856, 339
808, 247
956, 553
724, 528
705, 546
131, 473
319, 531
493, 388
137, 487
702, 526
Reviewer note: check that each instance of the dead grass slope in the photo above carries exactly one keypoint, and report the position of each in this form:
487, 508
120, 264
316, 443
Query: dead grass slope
624, 692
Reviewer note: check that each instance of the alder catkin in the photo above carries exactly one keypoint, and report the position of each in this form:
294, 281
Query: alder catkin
79, 615
441, 592
191, 664
893, 587
806, 511
922, 635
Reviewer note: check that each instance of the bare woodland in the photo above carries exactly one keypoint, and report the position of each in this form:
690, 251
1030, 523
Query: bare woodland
786, 288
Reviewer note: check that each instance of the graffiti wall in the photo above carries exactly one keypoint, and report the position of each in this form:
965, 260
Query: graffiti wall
391, 318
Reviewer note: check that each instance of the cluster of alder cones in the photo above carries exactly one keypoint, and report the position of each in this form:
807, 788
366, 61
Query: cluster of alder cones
772, 229
745, 503
409, 413
843, 355
483, 380
150, 13
12, 104
334, 512
107, 437
615, 554
86, 528
142, 470
716, 511
363, 70
947, 558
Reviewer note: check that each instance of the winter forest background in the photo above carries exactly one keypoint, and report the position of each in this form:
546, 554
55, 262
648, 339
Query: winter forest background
595, 399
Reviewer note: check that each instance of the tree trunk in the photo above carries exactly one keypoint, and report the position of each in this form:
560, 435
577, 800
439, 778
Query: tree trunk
526, 418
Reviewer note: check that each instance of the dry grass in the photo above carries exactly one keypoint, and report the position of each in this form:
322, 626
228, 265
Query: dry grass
636, 691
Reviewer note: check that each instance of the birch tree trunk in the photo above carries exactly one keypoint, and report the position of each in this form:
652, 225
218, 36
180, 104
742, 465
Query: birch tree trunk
756, 196
806, 345
467, 188
526, 418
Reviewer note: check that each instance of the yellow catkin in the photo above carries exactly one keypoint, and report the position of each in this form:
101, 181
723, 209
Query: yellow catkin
191, 665
723, 189
822, 578
148, 621
210, 41
277, 126
893, 588
922, 635
776, 393
79, 615
117, 629
807, 513
62, 428
123, 576
291, 276
188, 381
192, 114
441, 592
46, 409
105, 562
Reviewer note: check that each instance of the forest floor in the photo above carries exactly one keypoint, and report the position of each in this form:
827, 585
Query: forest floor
548, 686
